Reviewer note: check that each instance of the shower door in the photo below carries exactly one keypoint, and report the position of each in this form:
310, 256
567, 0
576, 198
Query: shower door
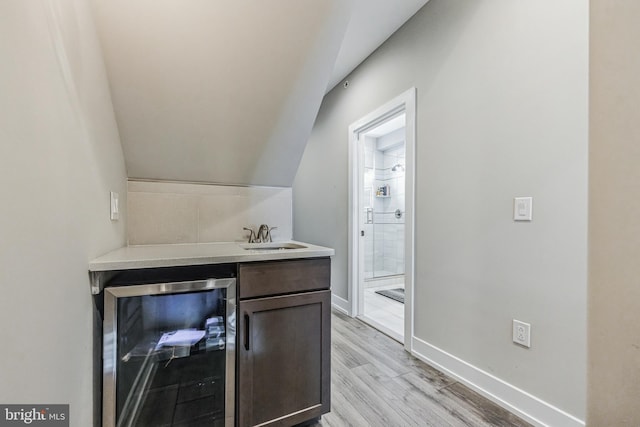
383, 216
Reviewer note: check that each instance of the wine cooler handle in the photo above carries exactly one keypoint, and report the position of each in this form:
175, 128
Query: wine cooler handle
246, 331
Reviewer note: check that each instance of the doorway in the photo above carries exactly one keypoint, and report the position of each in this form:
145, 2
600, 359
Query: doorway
381, 201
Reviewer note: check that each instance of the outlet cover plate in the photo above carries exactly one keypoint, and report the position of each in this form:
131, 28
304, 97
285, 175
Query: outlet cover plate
522, 333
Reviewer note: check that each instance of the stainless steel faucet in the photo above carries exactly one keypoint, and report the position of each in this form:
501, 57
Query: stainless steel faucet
252, 235
264, 233
262, 236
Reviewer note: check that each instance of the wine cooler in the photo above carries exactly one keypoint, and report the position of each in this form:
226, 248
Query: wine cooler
169, 354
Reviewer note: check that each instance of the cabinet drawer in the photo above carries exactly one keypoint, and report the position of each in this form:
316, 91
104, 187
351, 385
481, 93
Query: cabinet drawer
283, 277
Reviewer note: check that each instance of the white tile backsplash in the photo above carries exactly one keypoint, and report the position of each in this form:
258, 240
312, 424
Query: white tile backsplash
170, 212
162, 218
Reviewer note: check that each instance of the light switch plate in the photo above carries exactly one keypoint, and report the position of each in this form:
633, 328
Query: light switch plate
523, 208
115, 208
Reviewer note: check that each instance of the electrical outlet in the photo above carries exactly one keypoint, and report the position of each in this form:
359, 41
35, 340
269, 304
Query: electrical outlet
521, 333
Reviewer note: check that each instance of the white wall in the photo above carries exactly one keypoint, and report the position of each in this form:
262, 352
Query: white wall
502, 112
614, 209
59, 157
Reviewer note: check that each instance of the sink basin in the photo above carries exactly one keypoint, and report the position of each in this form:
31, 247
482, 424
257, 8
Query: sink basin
271, 246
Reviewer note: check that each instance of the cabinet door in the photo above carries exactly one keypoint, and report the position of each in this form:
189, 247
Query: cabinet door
284, 359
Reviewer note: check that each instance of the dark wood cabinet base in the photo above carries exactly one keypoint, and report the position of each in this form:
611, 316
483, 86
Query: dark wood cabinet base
283, 345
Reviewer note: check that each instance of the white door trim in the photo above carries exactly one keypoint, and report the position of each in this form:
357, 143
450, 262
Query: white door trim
404, 102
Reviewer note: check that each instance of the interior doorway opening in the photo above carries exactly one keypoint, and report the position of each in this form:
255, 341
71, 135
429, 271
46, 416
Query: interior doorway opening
381, 198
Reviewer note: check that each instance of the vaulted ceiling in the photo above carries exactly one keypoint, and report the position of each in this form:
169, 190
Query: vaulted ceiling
227, 91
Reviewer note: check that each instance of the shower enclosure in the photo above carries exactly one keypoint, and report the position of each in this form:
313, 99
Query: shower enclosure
383, 201
383, 223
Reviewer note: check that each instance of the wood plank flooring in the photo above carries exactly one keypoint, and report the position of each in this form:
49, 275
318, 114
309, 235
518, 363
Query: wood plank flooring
374, 382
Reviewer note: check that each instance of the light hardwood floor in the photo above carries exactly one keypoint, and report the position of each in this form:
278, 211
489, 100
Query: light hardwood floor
384, 310
374, 382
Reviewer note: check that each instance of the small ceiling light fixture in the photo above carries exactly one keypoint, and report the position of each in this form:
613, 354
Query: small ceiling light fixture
397, 168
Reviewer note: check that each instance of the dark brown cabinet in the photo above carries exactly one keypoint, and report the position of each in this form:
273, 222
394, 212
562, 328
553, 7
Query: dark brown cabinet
283, 342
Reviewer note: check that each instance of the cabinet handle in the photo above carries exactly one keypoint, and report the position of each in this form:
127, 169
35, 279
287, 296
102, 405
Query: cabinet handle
246, 331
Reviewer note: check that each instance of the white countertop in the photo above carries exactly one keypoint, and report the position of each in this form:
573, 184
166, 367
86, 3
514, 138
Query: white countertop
173, 255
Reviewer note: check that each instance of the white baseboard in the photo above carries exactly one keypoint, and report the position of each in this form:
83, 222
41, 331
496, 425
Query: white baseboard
521, 403
341, 304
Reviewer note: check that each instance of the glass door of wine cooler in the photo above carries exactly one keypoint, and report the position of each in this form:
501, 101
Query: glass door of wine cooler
169, 354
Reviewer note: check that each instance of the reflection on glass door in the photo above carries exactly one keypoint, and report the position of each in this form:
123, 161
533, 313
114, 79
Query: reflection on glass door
169, 358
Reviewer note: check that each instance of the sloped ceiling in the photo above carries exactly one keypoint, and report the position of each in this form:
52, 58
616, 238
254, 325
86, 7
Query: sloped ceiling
218, 91
372, 22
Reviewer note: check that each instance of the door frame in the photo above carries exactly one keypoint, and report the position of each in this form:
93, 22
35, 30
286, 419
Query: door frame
405, 102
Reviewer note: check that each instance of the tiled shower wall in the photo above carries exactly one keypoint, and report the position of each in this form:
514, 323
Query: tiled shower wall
391, 228
384, 238
169, 212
